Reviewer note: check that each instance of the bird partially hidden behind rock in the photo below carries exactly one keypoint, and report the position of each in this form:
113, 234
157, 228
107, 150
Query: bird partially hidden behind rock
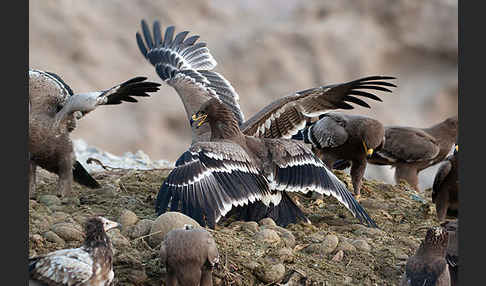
411, 150
189, 255
452, 254
89, 265
53, 111
343, 136
428, 266
445, 189
233, 169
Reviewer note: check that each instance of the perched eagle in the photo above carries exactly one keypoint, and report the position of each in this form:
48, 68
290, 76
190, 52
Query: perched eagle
410, 149
445, 190
342, 136
233, 169
53, 111
186, 65
428, 266
90, 265
189, 256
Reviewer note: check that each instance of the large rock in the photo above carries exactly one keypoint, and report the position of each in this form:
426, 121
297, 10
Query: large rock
167, 222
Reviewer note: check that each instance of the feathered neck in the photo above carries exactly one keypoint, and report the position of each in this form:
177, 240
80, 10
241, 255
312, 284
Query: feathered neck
96, 235
222, 122
435, 242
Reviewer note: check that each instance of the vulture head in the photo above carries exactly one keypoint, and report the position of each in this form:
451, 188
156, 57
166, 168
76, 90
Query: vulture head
97, 227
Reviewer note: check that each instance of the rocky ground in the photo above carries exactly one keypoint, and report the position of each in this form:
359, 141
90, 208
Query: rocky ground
334, 250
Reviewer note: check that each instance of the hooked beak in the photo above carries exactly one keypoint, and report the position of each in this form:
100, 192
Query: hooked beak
198, 119
368, 152
457, 148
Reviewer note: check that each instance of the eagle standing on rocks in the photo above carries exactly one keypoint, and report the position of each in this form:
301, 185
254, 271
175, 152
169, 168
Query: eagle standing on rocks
410, 149
233, 169
53, 111
89, 265
349, 137
428, 267
445, 190
189, 256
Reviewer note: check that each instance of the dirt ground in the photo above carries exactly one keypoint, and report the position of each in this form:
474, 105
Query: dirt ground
401, 214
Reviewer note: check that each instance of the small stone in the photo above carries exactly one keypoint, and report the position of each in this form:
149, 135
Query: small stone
73, 201
289, 239
267, 235
361, 245
345, 246
252, 265
339, 256
49, 200
269, 273
286, 254
59, 217
267, 222
68, 232
118, 240
167, 222
127, 218
250, 226
329, 243
140, 229
53, 237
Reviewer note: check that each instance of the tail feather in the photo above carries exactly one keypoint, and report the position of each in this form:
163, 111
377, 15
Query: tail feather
81, 176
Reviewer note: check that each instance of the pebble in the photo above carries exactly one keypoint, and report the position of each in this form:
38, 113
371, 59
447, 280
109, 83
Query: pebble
68, 232
269, 273
140, 229
361, 245
267, 222
118, 240
59, 217
49, 200
339, 256
328, 245
368, 231
288, 239
167, 222
285, 254
250, 226
53, 237
267, 235
345, 246
127, 218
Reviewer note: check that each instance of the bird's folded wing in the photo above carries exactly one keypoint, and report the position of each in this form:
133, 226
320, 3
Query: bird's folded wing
208, 180
409, 145
329, 131
63, 267
286, 116
295, 168
186, 65
442, 172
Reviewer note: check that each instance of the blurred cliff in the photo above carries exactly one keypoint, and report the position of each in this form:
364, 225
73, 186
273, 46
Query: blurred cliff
266, 49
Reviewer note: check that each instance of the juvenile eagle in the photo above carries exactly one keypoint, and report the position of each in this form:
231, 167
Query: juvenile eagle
89, 265
53, 111
233, 169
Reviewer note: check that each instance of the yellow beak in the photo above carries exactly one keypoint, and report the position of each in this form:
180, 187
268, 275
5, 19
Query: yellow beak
368, 152
457, 148
199, 119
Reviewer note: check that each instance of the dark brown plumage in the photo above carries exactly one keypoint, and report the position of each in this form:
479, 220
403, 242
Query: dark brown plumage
89, 265
53, 111
233, 169
445, 190
428, 267
349, 137
452, 254
186, 65
410, 149
189, 256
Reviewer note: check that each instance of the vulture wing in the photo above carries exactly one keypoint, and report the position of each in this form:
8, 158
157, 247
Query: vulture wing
62, 267
186, 66
286, 116
208, 180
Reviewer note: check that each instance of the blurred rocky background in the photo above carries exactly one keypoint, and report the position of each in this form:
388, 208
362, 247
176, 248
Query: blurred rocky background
266, 49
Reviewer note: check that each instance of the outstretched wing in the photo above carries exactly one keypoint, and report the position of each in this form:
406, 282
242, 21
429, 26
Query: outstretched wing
62, 267
125, 91
286, 116
208, 180
186, 65
294, 168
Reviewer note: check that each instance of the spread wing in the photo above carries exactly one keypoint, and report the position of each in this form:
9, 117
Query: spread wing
286, 116
404, 144
126, 91
186, 65
208, 180
62, 267
294, 168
